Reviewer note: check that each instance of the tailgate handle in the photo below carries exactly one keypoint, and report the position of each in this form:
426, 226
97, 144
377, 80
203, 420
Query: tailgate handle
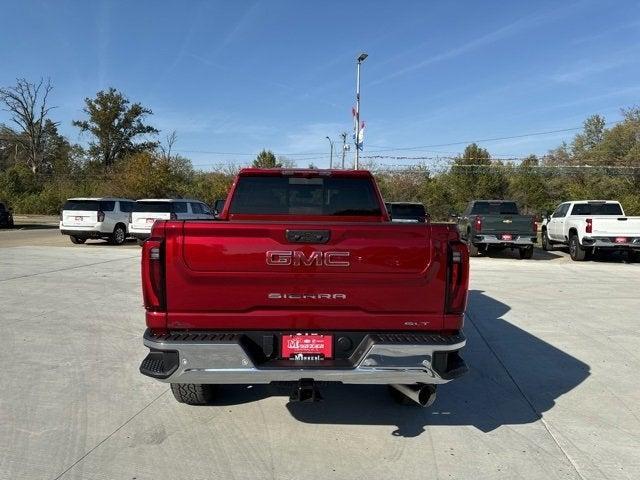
308, 236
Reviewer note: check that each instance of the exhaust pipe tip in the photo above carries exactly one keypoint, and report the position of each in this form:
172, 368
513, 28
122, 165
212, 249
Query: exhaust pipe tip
423, 395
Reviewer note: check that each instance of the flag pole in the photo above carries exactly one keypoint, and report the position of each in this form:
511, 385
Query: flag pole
360, 59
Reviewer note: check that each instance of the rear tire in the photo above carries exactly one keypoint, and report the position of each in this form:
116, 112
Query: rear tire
118, 236
526, 253
77, 240
193, 393
547, 246
473, 250
633, 256
577, 253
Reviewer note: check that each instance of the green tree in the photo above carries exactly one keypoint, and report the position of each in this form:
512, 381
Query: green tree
266, 159
150, 175
591, 136
475, 176
115, 125
528, 186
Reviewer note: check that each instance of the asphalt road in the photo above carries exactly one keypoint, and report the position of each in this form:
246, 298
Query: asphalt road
43, 231
552, 392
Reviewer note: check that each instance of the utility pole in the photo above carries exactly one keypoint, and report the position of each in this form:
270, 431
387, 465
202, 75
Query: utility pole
360, 59
343, 135
331, 154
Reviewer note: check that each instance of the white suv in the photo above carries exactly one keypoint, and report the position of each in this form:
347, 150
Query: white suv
148, 210
83, 218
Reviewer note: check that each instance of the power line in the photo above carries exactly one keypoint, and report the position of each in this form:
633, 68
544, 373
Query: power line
493, 139
421, 147
322, 155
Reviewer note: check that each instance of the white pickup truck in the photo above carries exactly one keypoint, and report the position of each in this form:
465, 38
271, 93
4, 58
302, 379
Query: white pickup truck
587, 226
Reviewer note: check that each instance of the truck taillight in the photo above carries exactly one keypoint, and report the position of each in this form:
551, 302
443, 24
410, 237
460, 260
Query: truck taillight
477, 224
589, 228
173, 216
153, 275
457, 277
100, 216
534, 225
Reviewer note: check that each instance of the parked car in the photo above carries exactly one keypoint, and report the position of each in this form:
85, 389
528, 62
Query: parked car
589, 226
6, 216
406, 212
497, 224
302, 279
148, 210
106, 217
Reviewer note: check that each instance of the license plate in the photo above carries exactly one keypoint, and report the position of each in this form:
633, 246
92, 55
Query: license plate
151, 220
307, 346
507, 236
621, 239
78, 219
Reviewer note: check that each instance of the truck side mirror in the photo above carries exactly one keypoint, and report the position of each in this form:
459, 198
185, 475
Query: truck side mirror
218, 206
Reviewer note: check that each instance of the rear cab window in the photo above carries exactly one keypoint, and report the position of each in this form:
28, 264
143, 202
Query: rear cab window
494, 208
597, 209
301, 195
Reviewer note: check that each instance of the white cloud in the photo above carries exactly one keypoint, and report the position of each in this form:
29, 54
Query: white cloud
587, 68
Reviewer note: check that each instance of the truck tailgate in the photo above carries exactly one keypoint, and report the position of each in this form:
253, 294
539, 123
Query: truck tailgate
270, 275
515, 224
616, 226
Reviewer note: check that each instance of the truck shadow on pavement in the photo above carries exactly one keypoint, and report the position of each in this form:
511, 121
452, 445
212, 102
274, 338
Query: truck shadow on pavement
514, 377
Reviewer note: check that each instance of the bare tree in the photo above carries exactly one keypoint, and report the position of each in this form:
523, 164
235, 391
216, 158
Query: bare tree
166, 149
27, 104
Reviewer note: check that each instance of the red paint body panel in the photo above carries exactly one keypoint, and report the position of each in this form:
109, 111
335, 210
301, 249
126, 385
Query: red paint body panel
217, 274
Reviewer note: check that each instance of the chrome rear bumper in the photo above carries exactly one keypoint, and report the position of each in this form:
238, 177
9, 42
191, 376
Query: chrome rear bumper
517, 241
221, 358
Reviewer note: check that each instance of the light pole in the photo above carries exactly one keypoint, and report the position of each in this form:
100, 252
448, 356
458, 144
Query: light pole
345, 147
331, 154
360, 59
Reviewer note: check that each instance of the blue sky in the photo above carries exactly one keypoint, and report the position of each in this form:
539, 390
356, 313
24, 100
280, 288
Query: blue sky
245, 75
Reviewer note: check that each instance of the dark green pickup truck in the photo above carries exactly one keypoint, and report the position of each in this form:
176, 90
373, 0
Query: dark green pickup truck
497, 224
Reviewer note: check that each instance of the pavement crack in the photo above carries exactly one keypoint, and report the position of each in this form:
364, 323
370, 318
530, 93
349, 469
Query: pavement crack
65, 269
523, 394
110, 435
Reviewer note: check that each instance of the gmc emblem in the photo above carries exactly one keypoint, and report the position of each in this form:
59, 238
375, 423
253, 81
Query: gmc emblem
297, 258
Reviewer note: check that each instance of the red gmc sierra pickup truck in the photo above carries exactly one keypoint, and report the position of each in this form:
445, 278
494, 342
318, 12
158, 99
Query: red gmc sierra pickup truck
304, 278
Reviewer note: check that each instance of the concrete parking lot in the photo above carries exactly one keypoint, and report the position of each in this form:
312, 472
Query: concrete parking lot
552, 392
